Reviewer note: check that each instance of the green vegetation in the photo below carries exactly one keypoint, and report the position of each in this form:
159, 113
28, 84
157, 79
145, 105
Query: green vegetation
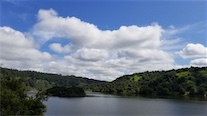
14, 99
182, 82
15, 85
42, 81
135, 78
183, 74
66, 92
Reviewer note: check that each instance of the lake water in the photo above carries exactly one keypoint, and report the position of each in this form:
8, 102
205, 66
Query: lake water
99, 104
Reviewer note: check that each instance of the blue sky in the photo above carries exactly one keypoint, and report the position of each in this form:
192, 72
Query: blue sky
102, 39
108, 15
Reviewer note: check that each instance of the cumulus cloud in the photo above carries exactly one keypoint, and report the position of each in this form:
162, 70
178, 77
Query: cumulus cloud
17, 49
86, 54
146, 55
199, 62
104, 53
81, 33
61, 49
193, 50
90, 52
15, 46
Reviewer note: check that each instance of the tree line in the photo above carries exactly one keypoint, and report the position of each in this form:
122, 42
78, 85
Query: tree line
42, 81
182, 82
66, 92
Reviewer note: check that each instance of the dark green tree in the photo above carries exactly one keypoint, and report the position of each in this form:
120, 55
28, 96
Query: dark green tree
14, 99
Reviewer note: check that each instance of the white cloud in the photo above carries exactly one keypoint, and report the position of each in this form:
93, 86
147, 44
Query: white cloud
86, 54
81, 33
104, 53
193, 50
14, 38
199, 62
61, 49
145, 55
16, 49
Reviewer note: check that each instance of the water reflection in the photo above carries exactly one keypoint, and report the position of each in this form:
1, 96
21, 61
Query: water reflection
102, 104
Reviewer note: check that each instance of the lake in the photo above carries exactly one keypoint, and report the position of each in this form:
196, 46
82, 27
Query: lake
100, 104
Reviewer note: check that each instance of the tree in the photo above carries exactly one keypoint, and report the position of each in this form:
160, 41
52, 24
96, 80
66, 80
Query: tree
14, 99
66, 92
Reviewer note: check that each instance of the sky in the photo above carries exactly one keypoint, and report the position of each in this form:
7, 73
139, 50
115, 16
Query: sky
100, 39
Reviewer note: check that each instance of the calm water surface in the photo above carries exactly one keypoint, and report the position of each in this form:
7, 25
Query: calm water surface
100, 104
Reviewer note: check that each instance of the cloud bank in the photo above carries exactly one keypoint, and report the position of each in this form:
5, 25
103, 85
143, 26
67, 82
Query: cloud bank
81, 33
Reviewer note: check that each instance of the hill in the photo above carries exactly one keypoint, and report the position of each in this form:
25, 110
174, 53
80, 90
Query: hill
43, 81
182, 82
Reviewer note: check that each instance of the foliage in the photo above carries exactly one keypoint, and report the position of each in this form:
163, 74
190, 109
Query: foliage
43, 81
181, 82
14, 99
66, 92
135, 78
183, 74
187, 81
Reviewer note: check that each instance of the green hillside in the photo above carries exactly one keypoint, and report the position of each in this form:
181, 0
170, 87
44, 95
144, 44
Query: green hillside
43, 81
182, 82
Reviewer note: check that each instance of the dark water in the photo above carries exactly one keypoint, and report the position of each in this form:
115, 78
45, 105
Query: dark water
99, 104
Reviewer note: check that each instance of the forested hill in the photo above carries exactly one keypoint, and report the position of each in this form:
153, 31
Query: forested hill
186, 81
39, 80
